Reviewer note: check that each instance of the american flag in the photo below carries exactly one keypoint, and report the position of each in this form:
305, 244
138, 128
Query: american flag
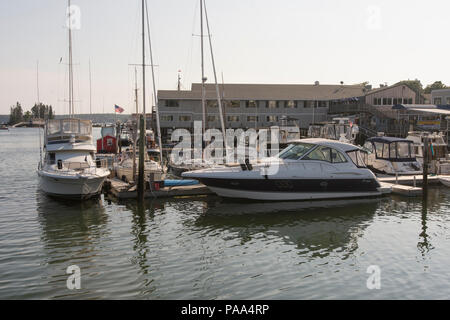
118, 109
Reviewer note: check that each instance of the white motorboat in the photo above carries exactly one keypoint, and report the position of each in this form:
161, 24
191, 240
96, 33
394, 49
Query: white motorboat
69, 168
393, 156
124, 169
307, 169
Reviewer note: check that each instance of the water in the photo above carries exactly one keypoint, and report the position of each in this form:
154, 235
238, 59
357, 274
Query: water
208, 248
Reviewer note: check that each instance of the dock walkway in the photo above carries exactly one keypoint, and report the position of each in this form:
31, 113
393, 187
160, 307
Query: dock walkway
123, 190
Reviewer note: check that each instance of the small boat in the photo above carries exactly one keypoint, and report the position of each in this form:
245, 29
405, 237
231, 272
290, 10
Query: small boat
440, 159
390, 155
69, 169
3, 127
445, 180
340, 129
307, 169
178, 182
124, 168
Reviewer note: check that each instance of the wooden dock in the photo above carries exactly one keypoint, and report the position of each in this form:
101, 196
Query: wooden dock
123, 190
407, 185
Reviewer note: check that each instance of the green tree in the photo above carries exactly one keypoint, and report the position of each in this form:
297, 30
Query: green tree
27, 116
42, 111
435, 86
16, 114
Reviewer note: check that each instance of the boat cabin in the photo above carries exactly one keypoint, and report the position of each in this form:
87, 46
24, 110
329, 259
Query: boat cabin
391, 149
68, 130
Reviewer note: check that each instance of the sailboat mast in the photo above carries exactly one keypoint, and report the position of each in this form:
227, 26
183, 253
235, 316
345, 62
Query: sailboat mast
155, 95
219, 101
142, 126
203, 74
71, 109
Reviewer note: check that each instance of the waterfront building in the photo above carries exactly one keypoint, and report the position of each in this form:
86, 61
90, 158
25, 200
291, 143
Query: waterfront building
440, 97
254, 105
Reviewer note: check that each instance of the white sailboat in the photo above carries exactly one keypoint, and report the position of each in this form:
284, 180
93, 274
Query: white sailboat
69, 168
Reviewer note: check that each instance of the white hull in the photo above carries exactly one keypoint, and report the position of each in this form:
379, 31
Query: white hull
287, 196
71, 186
445, 181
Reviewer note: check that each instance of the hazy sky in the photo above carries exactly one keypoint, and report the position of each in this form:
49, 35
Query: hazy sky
255, 41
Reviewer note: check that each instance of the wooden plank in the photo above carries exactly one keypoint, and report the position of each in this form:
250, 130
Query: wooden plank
403, 190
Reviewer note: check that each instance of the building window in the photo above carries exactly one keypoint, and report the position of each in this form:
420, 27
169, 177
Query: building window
272, 118
251, 104
166, 118
212, 103
290, 104
448, 100
321, 104
272, 104
252, 118
185, 118
233, 118
389, 101
212, 118
172, 103
235, 104
437, 101
385, 101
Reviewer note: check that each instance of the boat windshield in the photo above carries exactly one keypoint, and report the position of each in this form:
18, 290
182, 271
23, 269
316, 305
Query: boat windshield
357, 158
69, 126
295, 151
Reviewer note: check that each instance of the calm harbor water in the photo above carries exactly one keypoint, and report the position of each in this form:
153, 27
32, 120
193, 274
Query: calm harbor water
208, 248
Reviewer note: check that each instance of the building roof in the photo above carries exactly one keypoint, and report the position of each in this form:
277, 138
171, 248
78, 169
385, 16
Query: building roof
427, 108
237, 91
387, 88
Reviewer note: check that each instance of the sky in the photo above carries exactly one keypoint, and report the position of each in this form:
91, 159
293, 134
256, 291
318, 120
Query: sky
254, 41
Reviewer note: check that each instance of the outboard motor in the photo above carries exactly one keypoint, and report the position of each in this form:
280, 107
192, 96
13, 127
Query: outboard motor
60, 164
99, 163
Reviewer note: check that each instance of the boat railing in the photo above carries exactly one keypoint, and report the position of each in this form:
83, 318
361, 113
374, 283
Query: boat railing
71, 166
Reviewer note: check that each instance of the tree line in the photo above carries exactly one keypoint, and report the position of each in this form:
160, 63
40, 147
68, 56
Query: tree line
38, 111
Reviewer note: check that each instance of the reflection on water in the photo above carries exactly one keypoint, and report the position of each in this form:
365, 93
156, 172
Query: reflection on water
211, 248
318, 227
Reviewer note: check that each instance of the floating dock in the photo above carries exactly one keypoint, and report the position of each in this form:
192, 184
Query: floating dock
123, 190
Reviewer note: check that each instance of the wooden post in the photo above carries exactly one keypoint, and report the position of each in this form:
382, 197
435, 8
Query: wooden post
425, 166
141, 177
